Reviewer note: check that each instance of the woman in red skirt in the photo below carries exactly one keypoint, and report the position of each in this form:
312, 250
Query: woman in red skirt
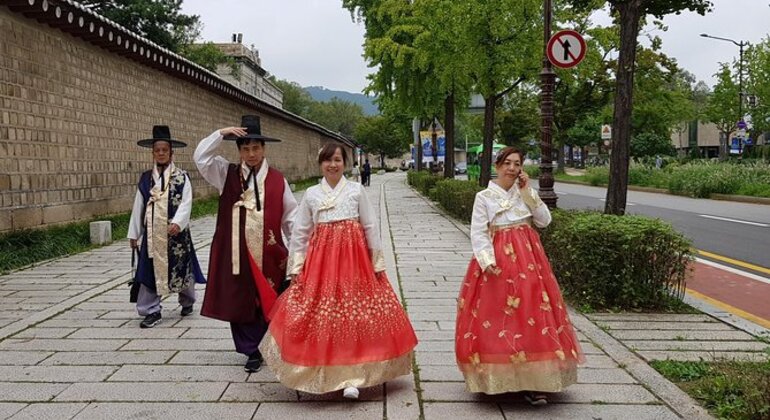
339, 325
513, 332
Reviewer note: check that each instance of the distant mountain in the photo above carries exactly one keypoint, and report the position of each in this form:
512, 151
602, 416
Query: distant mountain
320, 93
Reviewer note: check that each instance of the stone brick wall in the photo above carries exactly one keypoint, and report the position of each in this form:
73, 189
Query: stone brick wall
71, 113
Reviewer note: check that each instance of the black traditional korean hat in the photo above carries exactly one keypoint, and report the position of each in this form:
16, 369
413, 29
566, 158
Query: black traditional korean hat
161, 133
253, 130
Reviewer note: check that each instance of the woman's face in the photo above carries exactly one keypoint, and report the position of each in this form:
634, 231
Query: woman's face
333, 167
510, 167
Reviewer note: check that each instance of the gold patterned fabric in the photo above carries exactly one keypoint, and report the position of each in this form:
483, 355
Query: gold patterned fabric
323, 379
156, 221
543, 376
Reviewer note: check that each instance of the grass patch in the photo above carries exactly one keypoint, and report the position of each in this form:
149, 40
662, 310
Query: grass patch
29, 246
729, 389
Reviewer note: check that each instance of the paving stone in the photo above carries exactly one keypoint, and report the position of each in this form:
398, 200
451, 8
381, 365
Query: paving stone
433, 373
588, 411
221, 333
446, 325
78, 314
463, 410
23, 357
63, 344
425, 326
143, 391
45, 333
258, 392
179, 344
695, 345
432, 346
55, 374
128, 333
375, 393
681, 335
50, 411
599, 361
578, 393
208, 358
434, 316
347, 410
9, 409
651, 317
159, 411
82, 323
436, 358
102, 358
647, 325
704, 355
31, 392
604, 376
179, 373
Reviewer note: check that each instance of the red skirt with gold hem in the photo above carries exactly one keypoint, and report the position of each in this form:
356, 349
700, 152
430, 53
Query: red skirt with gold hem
513, 331
338, 324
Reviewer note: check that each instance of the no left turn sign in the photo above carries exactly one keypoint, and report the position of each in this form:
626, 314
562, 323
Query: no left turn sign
566, 49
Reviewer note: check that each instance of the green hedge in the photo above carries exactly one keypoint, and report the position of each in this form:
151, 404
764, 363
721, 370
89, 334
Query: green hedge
423, 181
456, 197
617, 262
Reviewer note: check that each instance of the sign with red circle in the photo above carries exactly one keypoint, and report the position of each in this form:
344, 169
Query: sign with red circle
566, 49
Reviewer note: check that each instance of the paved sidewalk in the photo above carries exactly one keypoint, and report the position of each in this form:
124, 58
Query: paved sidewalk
70, 345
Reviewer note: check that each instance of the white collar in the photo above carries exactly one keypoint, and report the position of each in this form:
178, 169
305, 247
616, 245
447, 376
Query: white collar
326, 188
500, 191
261, 173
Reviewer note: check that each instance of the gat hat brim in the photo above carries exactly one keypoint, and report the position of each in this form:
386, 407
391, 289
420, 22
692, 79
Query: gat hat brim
253, 130
161, 133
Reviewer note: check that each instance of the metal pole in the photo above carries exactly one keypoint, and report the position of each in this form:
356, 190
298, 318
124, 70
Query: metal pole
547, 77
740, 93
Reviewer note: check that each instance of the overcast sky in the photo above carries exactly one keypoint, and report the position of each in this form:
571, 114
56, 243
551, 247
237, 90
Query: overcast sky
316, 43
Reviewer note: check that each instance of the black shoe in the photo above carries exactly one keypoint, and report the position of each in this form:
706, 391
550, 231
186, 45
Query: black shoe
187, 310
536, 398
254, 364
151, 320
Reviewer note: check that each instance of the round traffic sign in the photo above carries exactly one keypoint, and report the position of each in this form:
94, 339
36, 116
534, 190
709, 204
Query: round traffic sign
566, 49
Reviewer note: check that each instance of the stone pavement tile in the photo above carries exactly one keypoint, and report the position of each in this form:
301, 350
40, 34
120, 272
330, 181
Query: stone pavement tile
578, 393
435, 335
42, 293
143, 391
9, 409
4, 293
128, 333
45, 333
650, 317
432, 316
222, 333
375, 393
704, 355
649, 325
82, 323
590, 348
196, 321
46, 299
346, 410
27, 285
432, 373
102, 306
263, 375
695, 345
4, 322
79, 314
165, 411
464, 410
599, 361
435, 358
433, 294
432, 346
15, 315
62, 344
179, 373
179, 344
133, 321
443, 309
604, 376
209, 358
425, 325
257, 392
31, 392
588, 412
108, 358
55, 374
50, 411
401, 400
446, 325
681, 335
20, 358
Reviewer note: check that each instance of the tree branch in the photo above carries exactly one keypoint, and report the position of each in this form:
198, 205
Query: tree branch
516, 83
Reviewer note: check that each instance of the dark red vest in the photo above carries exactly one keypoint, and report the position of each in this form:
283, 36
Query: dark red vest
234, 298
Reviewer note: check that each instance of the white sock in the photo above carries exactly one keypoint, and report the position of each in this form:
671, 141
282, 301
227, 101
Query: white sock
350, 392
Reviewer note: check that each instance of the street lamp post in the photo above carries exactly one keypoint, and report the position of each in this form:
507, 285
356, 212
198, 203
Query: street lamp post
741, 45
547, 78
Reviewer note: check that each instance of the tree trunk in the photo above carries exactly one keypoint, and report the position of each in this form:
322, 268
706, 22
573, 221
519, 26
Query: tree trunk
489, 132
449, 135
617, 191
570, 155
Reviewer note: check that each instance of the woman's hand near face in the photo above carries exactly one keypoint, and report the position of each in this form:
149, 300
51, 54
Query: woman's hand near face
523, 179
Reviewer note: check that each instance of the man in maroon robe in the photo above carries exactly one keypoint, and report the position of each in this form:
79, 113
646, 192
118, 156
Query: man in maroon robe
247, 265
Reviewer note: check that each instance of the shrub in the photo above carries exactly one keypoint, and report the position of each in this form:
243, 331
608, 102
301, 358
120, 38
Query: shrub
617, 262
456, 197
532, 170
423, 181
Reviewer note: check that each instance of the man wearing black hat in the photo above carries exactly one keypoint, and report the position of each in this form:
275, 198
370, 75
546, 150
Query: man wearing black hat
248, 258
160, 217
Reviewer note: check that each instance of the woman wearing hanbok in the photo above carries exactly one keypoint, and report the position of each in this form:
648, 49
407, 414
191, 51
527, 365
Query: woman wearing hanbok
339, 325
513, 332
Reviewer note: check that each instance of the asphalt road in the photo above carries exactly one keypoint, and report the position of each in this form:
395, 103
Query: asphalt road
739, 231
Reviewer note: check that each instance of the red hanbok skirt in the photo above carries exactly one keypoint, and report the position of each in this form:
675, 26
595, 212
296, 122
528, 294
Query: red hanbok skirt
513, 332
338, 324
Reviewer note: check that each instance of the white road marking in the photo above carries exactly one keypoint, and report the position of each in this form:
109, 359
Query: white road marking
725, 219
734, 270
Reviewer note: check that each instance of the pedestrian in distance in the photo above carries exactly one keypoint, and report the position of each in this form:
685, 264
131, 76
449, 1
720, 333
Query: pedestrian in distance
513, 331
356, 173
339, 325
247, 265
159, 229
367, 173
